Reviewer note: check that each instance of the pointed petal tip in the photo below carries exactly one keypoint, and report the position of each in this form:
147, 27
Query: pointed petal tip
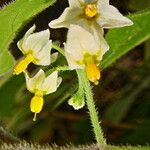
32, 28
130, 23
45, 33
127, 21
52, 24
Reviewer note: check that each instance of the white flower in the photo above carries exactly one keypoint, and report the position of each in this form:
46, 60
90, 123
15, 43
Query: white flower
87, 13
84, 50
41, 85
36, 48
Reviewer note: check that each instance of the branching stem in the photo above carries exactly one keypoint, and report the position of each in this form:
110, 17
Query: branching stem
59, 49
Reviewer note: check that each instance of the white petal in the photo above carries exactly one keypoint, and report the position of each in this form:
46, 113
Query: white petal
59, 80
72, 62
29, 32
20, 43
80, 41
74, 3
104, 47
35, 82
72, 45
99, 39
70, 15
112, 18
44, 55
50, 83
73, 49
102, 4
54, 57
84, 23
36, 41
87, 41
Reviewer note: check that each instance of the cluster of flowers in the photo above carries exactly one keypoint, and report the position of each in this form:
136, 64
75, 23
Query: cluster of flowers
84, 48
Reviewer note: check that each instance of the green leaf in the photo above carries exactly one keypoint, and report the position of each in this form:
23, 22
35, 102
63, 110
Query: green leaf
8, 92
122, 40
12, 18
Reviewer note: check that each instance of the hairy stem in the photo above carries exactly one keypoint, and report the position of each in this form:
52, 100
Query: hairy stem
58, 68
92, 110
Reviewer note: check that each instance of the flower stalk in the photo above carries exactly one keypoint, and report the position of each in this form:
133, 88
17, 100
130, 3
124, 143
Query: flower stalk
99, 136
59, 49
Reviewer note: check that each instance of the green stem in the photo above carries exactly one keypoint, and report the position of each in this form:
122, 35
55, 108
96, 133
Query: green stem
62, 68
92, 110
58, 68
55, 46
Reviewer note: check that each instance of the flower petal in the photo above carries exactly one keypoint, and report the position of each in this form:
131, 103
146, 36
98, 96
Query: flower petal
103, 46
102, 4
59, 80
70, 15
44, 55
72, 45
74, 3
36, 41
35, 82
50, 84
72, 62
112, 18
79, 41
20, 43
29, 32
54, 57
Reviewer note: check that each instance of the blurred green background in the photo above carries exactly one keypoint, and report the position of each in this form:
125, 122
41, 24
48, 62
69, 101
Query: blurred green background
122, 97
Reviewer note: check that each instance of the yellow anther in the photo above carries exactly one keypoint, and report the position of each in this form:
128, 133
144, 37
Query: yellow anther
23, 64
93, 73
36, 105
91, 11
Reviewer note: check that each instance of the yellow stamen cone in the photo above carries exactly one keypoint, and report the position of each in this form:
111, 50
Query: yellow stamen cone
93, 73
23, 64
91, 11
36, 105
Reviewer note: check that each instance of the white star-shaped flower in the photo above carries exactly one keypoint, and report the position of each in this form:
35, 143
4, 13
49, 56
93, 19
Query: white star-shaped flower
41, 85
36, 48
87, 13
84, 50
